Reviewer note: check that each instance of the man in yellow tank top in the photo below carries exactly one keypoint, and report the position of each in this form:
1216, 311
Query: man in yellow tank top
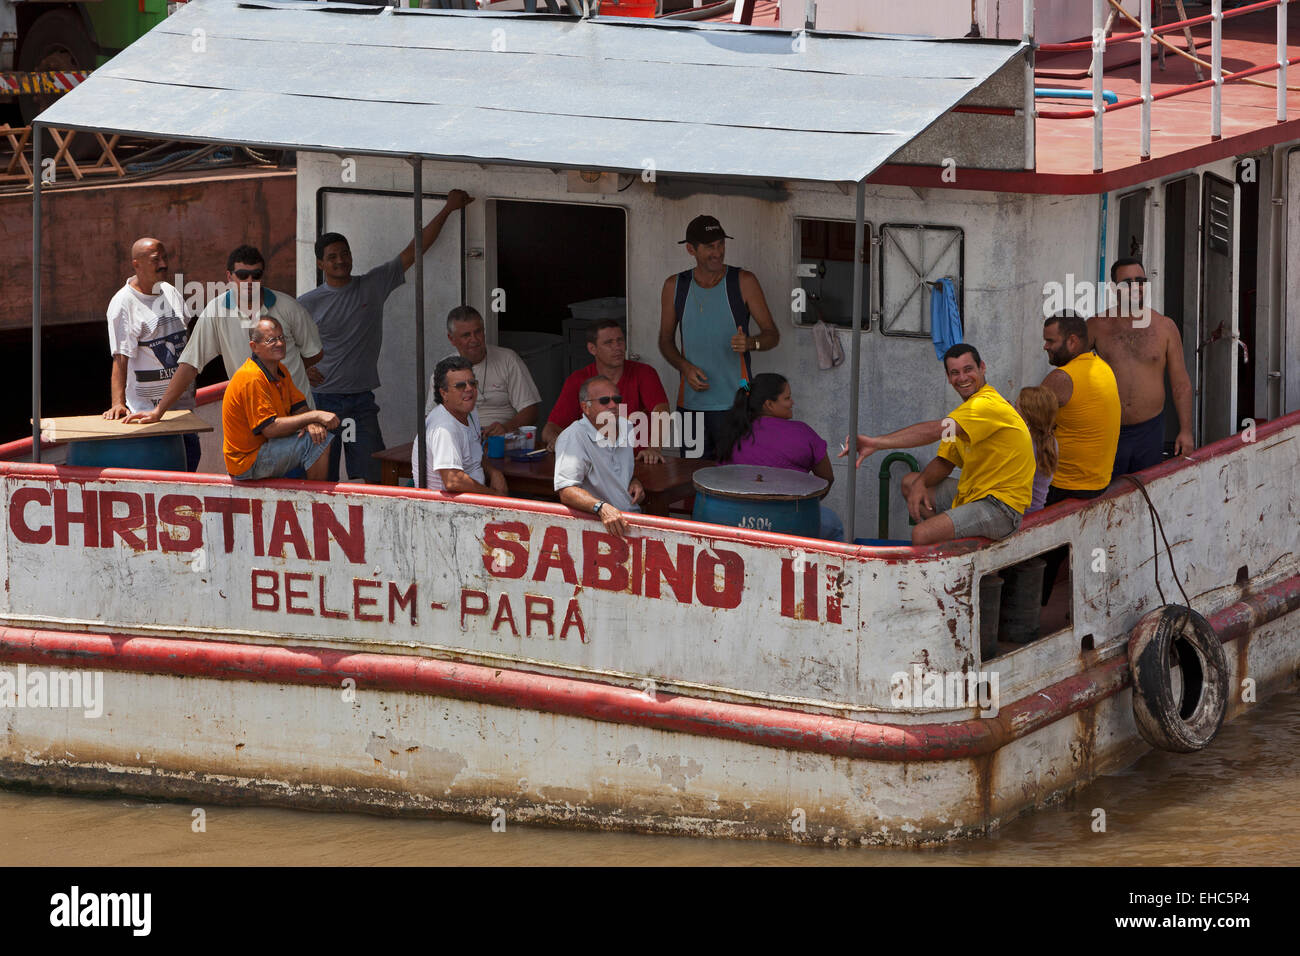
984, 436
1087, 425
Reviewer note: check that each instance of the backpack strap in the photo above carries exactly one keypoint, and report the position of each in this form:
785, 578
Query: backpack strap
679, 309
739, 311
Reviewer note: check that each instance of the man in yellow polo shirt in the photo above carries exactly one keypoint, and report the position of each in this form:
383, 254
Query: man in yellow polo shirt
1087, 425
268, 428
987, 438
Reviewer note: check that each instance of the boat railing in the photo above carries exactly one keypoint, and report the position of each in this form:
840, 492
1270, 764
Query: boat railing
1148, 34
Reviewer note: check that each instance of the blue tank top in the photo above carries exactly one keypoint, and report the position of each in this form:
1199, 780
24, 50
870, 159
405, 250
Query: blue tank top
707, 328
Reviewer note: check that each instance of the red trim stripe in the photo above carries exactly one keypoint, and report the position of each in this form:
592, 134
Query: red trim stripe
747, 723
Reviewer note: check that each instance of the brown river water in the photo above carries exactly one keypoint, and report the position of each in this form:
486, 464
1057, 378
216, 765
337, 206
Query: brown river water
1237, 803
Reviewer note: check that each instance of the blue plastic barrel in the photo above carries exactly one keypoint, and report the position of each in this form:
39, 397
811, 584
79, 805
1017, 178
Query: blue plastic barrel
154, 453
883, 542
762, 499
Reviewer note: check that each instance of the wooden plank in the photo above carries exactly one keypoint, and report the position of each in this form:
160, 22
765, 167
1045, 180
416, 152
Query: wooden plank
96, 427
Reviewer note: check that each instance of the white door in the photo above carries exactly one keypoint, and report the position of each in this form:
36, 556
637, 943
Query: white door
378, 225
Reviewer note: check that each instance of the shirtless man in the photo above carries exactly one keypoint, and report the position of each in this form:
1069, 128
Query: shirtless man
1141, 345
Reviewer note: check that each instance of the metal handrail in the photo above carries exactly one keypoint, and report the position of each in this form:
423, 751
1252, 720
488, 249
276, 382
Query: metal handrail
1164, 28
1147, 33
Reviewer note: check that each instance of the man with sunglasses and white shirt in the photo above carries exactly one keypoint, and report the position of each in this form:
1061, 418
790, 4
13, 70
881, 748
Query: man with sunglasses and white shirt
224, 325
594, 458
453, 438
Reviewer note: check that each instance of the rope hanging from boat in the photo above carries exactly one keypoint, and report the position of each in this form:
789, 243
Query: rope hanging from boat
1189, 56
1155, 547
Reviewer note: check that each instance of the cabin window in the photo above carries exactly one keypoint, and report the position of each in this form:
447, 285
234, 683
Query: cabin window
913, 261
1024, 602
825, 273
1130, 240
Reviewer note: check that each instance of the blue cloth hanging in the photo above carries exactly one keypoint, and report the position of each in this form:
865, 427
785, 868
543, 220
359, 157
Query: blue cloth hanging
945, 317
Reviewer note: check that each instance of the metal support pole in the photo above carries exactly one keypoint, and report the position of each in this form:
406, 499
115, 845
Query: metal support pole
855, 362
1281, 62
36, 291
1145, 152
1098, 55
417, 205
1216, 69
1027, 35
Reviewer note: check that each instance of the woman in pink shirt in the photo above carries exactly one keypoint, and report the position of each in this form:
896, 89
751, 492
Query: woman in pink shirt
761, 430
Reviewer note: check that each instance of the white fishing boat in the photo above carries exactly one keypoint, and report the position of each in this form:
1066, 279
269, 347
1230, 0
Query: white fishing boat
390, 649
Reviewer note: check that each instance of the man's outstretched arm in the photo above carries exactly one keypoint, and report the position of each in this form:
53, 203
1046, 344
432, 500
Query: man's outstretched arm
456, 199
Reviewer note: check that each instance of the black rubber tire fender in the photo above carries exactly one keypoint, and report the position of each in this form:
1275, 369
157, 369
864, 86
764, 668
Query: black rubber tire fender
61, 35
1168, 723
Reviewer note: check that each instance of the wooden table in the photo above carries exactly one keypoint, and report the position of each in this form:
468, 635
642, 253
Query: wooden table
665, 483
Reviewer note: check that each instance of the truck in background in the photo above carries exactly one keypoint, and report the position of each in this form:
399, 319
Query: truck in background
45, 47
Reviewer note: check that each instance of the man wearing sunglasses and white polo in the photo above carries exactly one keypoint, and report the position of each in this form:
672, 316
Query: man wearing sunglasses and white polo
594, 458
224, 325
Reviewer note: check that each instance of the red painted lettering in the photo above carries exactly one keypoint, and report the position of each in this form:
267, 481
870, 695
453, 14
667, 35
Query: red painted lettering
657, 564
324, 611
289, 593
540, 609
358, 602
181, 511
834, 594
497, 548
811, 606
123, 526
573, 618
467, 609
18, 503
271, 591
286, 530
351, 540
505, 614
636, 546
397, 599
805, 609
150, 523
227, 508
708, 589
259, 531
86, 517
555, 554
612, 560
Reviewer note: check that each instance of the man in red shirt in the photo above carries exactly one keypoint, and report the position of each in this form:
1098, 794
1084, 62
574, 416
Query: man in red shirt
639, 388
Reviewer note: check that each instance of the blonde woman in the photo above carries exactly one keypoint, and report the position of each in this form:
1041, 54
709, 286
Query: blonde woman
1038, 407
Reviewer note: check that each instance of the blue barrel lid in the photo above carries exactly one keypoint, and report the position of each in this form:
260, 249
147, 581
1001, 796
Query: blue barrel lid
759, 483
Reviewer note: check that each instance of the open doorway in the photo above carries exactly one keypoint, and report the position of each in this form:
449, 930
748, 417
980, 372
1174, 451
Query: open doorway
1179, 274
555, 267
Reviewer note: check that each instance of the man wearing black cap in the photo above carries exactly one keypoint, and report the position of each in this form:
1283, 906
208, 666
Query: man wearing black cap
710, 307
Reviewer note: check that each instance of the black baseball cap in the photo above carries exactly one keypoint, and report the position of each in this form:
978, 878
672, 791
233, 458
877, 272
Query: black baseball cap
703, 230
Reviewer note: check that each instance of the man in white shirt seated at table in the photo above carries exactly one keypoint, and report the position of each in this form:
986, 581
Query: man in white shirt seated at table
594, 458
454, 457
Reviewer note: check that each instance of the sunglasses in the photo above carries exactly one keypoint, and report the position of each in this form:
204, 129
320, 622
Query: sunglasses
273, 340
248, 273
606, 399
461, 386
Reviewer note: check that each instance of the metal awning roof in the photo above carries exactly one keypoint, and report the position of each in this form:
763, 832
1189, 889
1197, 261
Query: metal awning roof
610, 94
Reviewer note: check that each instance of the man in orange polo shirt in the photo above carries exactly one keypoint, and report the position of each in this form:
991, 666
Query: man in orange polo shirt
269, 430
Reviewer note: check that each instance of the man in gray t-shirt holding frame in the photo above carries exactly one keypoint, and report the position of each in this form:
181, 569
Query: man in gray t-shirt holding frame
349, 313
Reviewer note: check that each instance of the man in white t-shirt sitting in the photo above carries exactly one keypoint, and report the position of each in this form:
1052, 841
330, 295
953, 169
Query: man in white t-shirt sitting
454, 458
146, 335
594, 458
507, 395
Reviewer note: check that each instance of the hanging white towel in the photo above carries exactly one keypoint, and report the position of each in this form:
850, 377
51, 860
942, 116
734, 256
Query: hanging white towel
830, 354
